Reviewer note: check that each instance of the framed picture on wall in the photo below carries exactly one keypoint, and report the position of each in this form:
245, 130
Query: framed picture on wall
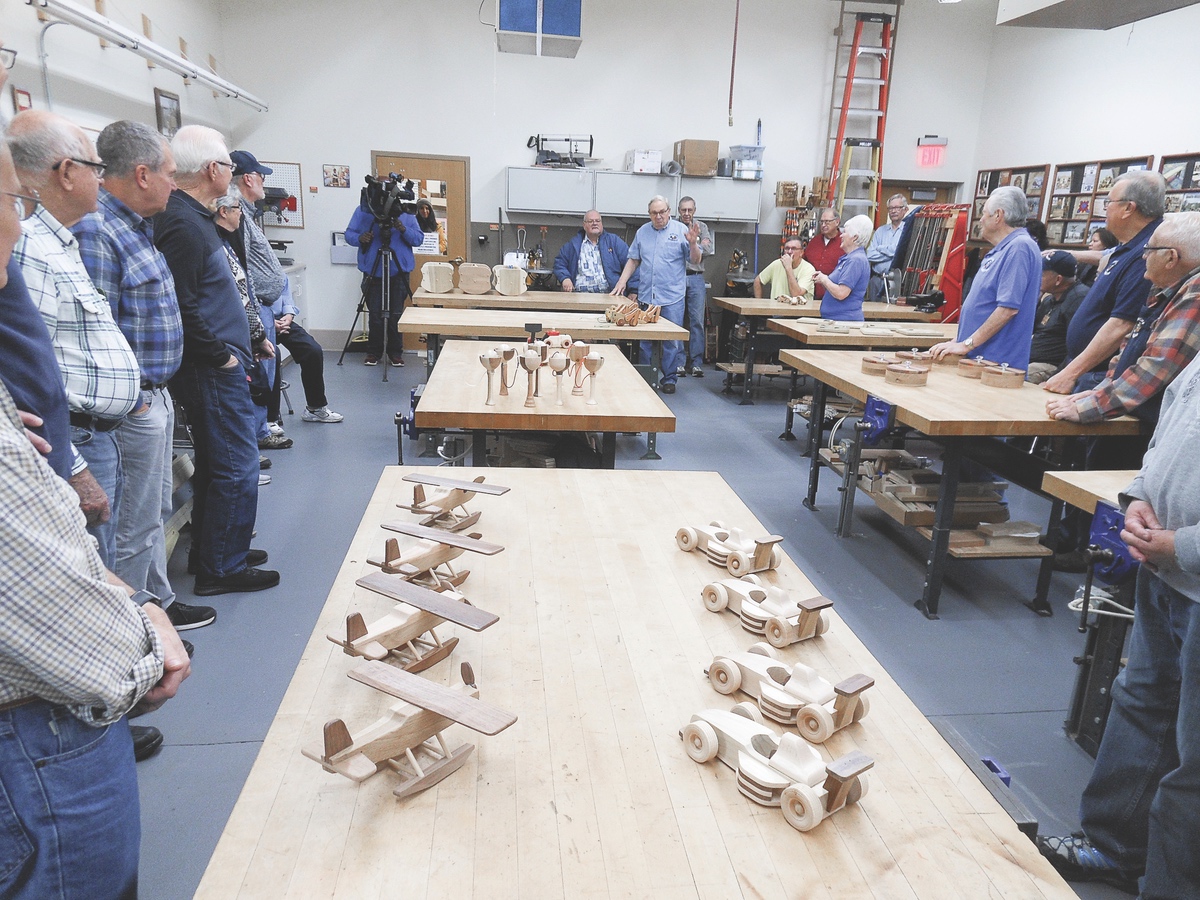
981, 189
1054, 232
1058, 207
1062, 182
1018, 181
21, 99
1034, 187
167, 113
1074, 232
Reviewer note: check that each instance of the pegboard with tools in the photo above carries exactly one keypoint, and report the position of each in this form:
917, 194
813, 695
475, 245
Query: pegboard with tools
283, 212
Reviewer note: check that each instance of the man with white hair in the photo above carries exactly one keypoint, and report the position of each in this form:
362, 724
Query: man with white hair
660, 252
55, 159
845, 288
996, 321
211, 383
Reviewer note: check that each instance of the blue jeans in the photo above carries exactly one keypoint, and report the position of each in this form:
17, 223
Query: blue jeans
379, 340
145, 442
103, 457
1142, 803
68, 807
672, 351
695, 300
225, 483
269, 367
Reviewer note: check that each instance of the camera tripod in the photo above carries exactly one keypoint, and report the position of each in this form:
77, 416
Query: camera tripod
383, 264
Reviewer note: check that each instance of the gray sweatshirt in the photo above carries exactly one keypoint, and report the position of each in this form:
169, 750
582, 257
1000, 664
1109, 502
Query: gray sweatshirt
1170, 479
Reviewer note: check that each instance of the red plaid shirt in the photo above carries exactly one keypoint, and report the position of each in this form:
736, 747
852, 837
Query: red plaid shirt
1173, 343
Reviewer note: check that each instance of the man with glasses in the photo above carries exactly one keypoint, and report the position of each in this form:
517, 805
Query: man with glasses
825, 248
789, 276
98, 369
591, 262
1140, 810
211, 382
883, 245
660, 253
697, 293
1134, 209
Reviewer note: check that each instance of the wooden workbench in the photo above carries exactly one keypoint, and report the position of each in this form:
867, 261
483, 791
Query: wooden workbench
456, 395
952, 409
807, 333
530, 300
510, 323
756, 312
600, 651
1084, 489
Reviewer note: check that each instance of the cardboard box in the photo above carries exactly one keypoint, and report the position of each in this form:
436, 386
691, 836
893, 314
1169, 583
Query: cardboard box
647, 162
697, 157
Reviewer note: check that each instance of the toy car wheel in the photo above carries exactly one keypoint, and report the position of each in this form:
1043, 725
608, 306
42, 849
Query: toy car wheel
860, 711
686, 538
700, 741
822, 624
858, 788
749, 710
778, 632
763, 650
716, 598
802, 807
725, 676
752, 579
776, 557
737, 563
815, 723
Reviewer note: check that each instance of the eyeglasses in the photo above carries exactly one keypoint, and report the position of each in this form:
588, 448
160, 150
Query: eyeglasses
230, 165
1146, 251
7, 57
897, 208
25, 205
96, 167
829, 221
1111, 201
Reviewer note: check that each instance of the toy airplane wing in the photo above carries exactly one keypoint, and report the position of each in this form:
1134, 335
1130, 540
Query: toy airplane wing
454, 484
466, 542
431, 601
476, 714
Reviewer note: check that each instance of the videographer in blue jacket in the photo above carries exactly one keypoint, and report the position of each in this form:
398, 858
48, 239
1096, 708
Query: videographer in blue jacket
367, 232
591, 262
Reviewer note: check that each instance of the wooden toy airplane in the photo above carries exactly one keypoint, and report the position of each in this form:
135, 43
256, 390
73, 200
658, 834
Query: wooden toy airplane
406, 635
427, 562
409, 738
444, 504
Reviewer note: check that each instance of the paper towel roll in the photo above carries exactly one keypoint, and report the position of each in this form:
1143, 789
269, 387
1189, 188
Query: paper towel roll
670, 167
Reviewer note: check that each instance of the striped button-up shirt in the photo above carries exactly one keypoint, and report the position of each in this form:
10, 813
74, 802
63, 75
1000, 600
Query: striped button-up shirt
66, 634
100, 372
1174, 342
117, 247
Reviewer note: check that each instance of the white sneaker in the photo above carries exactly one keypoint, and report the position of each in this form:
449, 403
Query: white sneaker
263, 478
324, 414
275, 428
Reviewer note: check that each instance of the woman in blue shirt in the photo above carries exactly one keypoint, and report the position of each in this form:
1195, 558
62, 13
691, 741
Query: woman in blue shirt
846, 286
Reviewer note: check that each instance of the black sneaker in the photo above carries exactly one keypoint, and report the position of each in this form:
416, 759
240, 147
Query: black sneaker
264, 462
185, 617
146, 741
188, 647
1076, 859
253, 558
249, 579
668, 387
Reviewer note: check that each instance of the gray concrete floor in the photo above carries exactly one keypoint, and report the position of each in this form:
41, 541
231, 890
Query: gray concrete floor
997, 673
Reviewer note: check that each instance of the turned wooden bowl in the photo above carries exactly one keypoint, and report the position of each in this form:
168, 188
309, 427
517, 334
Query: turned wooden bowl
1003, 377
877, 363
917, 356
973, 368
906, 373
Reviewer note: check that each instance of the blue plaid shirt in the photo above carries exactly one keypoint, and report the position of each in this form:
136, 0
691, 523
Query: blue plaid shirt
118, 250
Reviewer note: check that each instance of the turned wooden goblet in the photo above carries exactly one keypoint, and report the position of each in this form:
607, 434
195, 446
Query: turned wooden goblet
530, 361
592, 362
490, 361
558, 364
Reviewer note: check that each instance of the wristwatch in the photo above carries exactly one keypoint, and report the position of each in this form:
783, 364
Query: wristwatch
969, 343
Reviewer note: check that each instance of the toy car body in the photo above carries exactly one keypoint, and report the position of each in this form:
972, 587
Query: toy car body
732, 548
768, 610
777, 771
794, 695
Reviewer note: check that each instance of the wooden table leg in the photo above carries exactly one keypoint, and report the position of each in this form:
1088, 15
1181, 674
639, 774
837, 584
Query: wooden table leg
943, 521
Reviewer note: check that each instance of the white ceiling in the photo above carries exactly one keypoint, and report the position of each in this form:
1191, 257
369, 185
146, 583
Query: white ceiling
1098, 15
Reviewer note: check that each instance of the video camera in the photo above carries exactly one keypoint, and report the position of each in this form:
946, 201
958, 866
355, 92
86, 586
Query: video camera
387, 198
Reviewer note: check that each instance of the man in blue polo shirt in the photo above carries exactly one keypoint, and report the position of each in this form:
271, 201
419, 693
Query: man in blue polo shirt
1135, 208
997, 317
662, 249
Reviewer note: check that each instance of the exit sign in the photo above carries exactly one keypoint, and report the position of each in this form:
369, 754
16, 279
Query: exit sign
931, 156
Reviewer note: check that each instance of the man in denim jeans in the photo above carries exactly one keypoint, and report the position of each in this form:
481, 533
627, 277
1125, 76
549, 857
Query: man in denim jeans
1141, 809
211, 382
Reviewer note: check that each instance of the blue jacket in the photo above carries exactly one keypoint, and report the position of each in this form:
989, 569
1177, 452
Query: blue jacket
402, 241
614, 252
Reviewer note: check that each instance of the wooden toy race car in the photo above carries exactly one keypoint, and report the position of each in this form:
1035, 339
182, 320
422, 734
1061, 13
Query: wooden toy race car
768, 610
777, 771
794, 695
732, 548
